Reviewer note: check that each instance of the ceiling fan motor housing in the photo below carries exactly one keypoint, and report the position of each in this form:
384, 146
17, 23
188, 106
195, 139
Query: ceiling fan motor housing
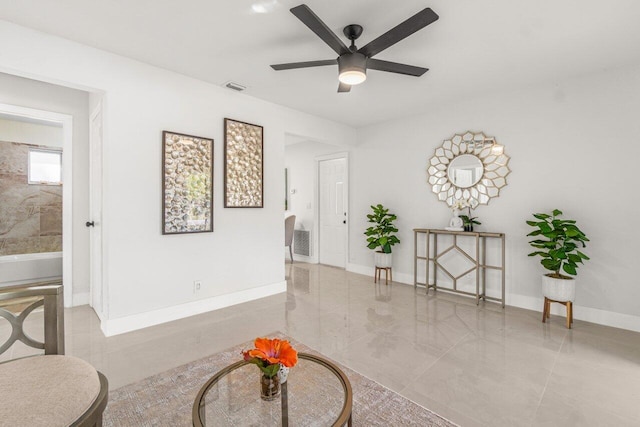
353, 31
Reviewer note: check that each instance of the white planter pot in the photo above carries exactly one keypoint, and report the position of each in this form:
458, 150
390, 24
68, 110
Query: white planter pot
558, 289
383, 260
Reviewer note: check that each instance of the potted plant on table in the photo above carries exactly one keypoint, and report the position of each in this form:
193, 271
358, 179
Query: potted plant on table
468, 221
380, 235
557, 244
274, 357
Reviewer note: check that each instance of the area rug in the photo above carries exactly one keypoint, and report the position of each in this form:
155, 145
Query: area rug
166, 399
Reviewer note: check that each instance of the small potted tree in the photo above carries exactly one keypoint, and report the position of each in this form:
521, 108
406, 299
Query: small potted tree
557, 244
380, 235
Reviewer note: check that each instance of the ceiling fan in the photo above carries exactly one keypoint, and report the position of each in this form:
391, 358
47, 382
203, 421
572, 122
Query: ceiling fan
353, 62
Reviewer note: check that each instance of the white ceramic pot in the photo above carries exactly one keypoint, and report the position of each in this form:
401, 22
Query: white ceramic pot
382, 260
558, 289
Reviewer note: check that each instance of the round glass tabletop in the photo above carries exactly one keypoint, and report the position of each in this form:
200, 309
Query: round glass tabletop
316, 393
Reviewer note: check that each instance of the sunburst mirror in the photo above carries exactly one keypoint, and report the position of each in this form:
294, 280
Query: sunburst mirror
469, 167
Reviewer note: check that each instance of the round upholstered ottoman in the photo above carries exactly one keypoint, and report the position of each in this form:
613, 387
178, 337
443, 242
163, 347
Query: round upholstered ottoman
48, 390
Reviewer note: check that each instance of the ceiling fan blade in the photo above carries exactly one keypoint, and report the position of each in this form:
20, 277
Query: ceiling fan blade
399, 32
314, 23
293, 65
394, 67
342, 87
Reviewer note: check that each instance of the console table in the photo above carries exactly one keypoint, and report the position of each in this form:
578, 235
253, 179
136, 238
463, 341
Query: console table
432, 256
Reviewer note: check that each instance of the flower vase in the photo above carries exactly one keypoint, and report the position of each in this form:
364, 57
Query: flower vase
269, 387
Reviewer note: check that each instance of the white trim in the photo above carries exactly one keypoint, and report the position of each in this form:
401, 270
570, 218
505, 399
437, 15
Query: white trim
81, 299
100, 310
134, 322
316, 210
28, 282
30, 257
67, 190
305, 259
588, 314
104, 103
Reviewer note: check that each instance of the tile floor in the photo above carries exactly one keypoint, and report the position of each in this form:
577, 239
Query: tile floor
477, 366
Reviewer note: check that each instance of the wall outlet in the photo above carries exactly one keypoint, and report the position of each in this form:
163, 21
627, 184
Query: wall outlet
197, 284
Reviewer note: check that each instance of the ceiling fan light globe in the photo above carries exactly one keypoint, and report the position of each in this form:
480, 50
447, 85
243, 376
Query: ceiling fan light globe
352, 68
352, 77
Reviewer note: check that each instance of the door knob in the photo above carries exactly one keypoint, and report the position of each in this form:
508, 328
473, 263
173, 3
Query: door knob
90, 224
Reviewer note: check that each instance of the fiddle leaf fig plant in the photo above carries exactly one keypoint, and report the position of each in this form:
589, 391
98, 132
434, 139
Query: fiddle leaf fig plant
558, 243
381, 233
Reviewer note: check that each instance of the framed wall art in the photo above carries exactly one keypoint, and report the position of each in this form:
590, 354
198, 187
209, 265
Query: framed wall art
243, 165
187, 184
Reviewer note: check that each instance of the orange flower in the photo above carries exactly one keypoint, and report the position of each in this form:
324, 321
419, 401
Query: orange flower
273, 351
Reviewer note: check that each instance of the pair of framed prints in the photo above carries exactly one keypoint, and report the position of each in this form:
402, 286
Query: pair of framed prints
187, 176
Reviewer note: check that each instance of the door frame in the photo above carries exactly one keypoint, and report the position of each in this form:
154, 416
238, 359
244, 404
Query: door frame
316, 211
67, 188
101, 310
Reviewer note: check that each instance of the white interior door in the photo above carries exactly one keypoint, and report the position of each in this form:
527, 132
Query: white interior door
95, 211
332, 204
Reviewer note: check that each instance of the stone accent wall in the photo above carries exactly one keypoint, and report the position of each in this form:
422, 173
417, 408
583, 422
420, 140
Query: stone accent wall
30, 215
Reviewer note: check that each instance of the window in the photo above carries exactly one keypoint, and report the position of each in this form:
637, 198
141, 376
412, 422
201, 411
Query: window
45, 166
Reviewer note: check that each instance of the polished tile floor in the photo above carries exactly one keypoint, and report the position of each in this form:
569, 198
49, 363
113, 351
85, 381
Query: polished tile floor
477, 366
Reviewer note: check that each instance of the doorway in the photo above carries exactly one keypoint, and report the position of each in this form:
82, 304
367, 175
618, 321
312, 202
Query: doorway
66, 121
333, 202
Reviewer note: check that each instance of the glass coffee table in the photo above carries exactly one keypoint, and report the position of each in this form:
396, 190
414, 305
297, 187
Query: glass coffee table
316, 393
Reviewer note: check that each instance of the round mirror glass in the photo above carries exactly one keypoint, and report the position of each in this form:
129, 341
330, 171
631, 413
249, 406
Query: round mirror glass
465, 171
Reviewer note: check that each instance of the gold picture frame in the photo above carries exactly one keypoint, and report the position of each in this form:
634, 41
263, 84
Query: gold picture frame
243, 165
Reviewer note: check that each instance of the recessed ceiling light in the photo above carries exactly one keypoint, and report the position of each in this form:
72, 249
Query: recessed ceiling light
264, 6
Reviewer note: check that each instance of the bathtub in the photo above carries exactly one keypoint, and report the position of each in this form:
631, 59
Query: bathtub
25, 268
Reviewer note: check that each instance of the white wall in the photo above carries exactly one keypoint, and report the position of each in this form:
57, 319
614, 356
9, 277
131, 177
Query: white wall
573, 146
30, 133
147, 272
43, 96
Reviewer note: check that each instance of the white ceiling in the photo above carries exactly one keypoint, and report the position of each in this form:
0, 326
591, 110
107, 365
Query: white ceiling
474, 48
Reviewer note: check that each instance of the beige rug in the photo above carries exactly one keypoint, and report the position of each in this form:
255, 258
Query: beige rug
166, 399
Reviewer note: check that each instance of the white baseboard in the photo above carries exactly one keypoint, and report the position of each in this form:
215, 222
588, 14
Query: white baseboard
81, 298
134, 322
588, 314
302, 258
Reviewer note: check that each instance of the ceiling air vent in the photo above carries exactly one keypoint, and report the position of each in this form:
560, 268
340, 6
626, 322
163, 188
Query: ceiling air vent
234, 86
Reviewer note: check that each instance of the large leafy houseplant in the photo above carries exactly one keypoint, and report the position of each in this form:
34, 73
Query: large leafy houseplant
380, 235
557, 244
